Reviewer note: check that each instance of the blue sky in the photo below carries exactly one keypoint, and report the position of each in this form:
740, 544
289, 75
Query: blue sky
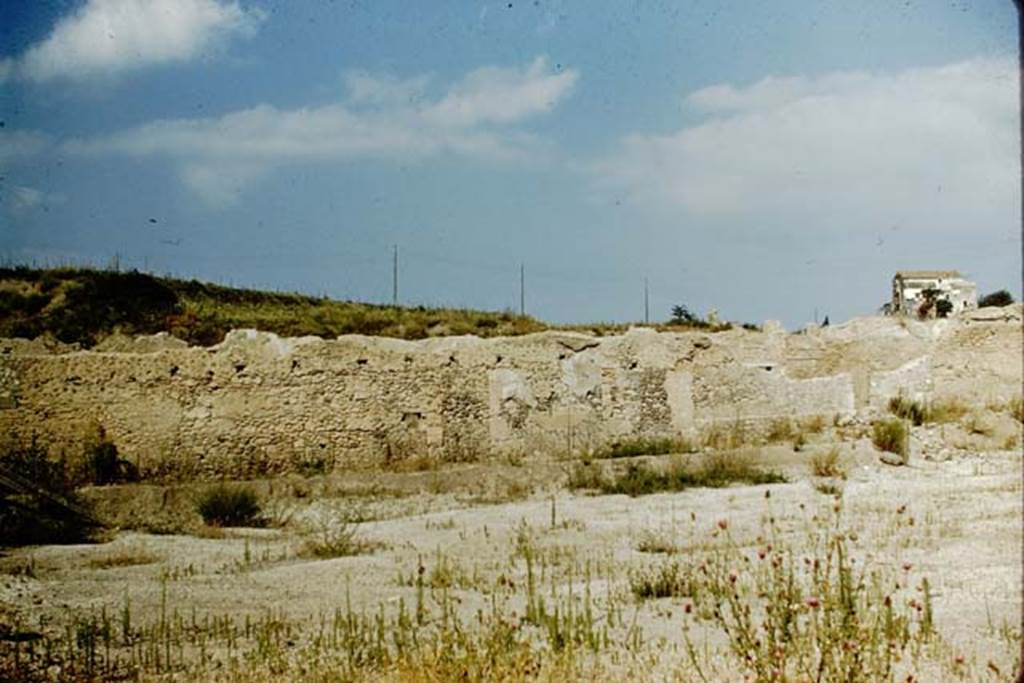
768, 160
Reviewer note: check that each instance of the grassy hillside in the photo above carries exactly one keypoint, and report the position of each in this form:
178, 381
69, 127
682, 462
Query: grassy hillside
83, 306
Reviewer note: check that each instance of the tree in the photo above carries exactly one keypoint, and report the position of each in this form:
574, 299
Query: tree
997, 298
681, 315
930, 296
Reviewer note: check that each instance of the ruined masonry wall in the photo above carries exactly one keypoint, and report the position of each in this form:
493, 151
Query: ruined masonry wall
258, 403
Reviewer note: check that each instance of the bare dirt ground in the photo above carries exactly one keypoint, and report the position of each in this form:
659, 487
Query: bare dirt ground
481, 539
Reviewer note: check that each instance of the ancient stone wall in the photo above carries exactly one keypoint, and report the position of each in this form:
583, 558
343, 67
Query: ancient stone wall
258, 403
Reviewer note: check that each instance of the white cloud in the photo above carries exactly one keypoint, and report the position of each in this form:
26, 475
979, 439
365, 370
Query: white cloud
366, 88
109, 36
20, 144
26, 197
21, 199
935, 142
383, 118
498, 95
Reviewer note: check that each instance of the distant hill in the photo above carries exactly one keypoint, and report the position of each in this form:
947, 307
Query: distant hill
77, 305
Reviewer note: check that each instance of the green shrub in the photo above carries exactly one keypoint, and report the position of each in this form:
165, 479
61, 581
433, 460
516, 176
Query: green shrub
634, 447
891, 435
998, 298
639, 479
227, 505
586, 475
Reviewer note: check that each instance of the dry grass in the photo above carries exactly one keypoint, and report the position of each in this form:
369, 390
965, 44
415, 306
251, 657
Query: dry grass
815, 424
827, 463
976, 423
332, 532
827, 488
783, 617
780, 605
128, 555
657, 543
921, 412
781, 429
1015, 406
722, 436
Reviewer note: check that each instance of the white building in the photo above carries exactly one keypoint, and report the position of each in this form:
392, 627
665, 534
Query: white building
919, 293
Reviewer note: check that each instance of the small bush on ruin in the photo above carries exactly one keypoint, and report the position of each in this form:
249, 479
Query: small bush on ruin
826, 464
228, 505
920, 412
908, 409
892, 436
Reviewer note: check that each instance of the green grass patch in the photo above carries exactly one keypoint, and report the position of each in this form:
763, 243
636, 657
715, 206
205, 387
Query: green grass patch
639, 479
632, 448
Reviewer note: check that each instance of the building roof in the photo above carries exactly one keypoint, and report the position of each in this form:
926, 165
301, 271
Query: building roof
926, 274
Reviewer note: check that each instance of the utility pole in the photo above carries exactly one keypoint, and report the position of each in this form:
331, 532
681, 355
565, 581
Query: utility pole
647, 307
394, 276
522, 289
